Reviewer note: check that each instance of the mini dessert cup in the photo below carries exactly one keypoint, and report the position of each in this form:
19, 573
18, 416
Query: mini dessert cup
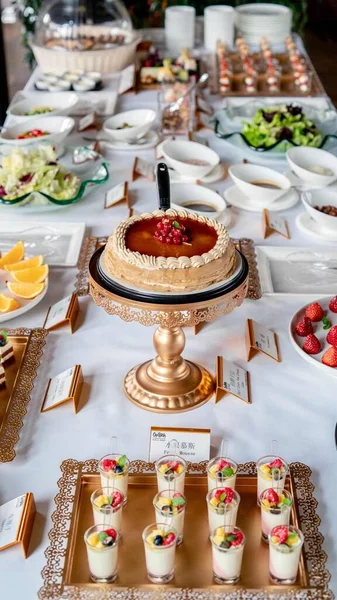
160, 542
171, 471
114, 472
275, 510
271, 469
222, 506
107, 506
221, 472
102, 549
285, 546
227, 550
171, 505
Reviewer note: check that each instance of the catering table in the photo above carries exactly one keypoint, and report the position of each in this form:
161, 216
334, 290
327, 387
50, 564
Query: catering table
291, 401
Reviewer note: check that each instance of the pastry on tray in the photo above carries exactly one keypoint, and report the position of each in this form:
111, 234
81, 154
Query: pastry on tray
2, 377
6, 348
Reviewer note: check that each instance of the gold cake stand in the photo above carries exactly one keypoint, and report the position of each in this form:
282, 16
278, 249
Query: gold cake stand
168, 383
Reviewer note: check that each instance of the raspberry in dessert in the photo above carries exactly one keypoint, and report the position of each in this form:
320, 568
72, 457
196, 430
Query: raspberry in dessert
6, 348
171, 470
285, 545
2, 377
227, 550
270, 469
275, 510
174, 251
102, 549
171, 505
160, 542
222, 506
221, 471
114, 471
107, 506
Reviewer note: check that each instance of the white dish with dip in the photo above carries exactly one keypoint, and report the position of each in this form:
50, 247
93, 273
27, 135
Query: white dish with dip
314, 166
261, 185
320, 198
198, 199
130, 125
190, 158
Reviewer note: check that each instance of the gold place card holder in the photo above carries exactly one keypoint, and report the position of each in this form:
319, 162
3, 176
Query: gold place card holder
261, 339
65, 387
89, 121
16, 522
274, 224
63, 312
142, 168
192, 444
116, 195
232, 379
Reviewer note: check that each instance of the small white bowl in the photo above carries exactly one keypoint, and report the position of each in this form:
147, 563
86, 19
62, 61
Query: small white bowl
197, 199
62, 104
176, 154
139, 119
324, 197
58, 128
244, 174
302, 158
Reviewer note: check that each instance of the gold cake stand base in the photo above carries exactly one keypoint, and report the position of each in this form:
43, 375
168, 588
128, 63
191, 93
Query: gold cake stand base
168, 382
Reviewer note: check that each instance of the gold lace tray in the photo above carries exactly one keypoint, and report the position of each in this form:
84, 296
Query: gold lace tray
66, 574
91, 244
20, 374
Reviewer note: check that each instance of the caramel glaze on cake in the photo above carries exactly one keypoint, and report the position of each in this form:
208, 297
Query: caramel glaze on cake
135, 255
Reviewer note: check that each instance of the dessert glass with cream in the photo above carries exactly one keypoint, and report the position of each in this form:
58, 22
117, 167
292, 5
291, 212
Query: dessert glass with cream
285, 546
221, 471
271, 472
169, 505
171, 471
275, 510
222, 506
102, 550
114, 472
227, 550
107, 507
160, 542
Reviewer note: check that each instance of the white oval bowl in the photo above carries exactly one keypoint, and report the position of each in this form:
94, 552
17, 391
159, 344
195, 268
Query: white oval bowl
62, 103
140, 119
176, 152
185, 194
59, 128
301, 158
321, 198
243, 174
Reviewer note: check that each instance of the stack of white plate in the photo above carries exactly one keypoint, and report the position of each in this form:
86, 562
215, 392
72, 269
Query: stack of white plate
254, 21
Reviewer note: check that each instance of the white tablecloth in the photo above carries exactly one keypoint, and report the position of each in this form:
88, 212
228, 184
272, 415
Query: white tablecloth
292, 401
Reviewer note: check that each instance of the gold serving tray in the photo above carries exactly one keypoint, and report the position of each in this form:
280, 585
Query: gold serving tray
20, 374
66, 575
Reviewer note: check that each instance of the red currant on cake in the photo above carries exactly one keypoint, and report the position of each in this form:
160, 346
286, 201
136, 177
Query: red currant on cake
171, 232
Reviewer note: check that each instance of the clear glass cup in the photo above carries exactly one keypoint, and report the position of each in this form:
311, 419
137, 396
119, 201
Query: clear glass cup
227, 561
215, 478
273, 516
111, 479
224, 514
265, 477
284, 560
110, 515
179, 119
175, 515
170, 479
159, 559
102, 561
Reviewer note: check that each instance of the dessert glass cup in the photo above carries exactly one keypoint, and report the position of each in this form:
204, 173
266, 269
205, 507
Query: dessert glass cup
110, 516
177, 521
175, 483
118, 481
102, 561
264, 482
283, 562
159, 560
227, 561
215, 481
272, 517
219, 517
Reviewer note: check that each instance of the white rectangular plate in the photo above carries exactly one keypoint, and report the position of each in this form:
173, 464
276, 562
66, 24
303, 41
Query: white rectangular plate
297, 271
60, 243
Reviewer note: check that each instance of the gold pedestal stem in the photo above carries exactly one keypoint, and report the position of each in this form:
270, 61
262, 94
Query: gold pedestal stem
168, 365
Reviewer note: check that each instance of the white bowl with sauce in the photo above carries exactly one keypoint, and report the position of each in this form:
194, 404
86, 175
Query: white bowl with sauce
190, 158
261, 184
302, 160
198, 199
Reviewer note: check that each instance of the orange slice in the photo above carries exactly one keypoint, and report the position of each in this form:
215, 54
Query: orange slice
7, 304
14, 255
35, 261
33, 275
25, 290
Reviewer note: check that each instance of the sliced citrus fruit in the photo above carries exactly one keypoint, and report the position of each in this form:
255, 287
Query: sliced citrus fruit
25, 290
33, 275
7, 304
14, 255
35, 261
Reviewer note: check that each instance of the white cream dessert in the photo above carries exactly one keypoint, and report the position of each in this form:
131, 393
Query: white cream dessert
114, 472
227, 552
102, 550
160, 546
171, 505
171, 470
221, 471
275, 510
285, 546
2, 377
107, 507
270, 469
222, 506
6, 348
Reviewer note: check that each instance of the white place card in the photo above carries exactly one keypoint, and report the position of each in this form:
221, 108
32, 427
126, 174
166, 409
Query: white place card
118, 193
274, 223
142, 168
66, 310
16, 522
191, 444
232, 379
127, 79
87, 121
62, 388
261, 339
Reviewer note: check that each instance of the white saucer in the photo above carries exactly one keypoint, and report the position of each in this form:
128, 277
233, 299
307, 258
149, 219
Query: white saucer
236, 198
151, 140
212, 177
309, 227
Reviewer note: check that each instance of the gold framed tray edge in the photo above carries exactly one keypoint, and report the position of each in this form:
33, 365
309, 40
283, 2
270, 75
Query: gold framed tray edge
20, 395
63, 521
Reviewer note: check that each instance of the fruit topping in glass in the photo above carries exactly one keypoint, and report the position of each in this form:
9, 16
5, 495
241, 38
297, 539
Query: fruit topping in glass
103, 539
227, 539
158, 537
